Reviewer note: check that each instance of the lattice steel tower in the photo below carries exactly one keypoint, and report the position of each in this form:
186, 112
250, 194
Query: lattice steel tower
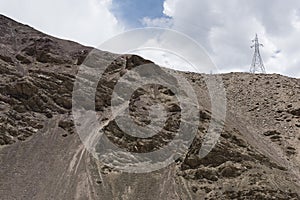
257, 62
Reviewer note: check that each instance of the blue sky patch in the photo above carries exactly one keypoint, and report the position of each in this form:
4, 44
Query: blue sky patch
131, 12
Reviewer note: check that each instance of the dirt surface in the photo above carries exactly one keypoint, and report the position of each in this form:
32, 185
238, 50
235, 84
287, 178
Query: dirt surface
43, 157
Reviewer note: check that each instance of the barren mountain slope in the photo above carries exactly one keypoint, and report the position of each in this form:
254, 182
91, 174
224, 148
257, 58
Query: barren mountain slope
42, 156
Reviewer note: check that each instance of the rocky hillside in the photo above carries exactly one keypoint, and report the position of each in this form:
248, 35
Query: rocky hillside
43, 157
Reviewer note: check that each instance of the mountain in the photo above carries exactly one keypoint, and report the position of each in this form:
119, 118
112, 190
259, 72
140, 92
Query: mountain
42, 156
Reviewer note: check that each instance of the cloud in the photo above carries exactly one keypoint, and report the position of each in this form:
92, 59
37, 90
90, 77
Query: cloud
225, 29
89, 22
163, 22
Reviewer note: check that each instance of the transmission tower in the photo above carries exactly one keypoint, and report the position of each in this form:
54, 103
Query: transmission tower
257, 62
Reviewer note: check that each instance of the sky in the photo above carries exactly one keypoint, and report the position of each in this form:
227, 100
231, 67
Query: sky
132, 12
223, 28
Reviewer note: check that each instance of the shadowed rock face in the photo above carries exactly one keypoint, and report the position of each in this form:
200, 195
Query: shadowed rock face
42, 157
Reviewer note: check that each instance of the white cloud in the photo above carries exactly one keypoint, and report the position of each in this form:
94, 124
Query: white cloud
169, 7
157, 22
89, 22
226, 28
